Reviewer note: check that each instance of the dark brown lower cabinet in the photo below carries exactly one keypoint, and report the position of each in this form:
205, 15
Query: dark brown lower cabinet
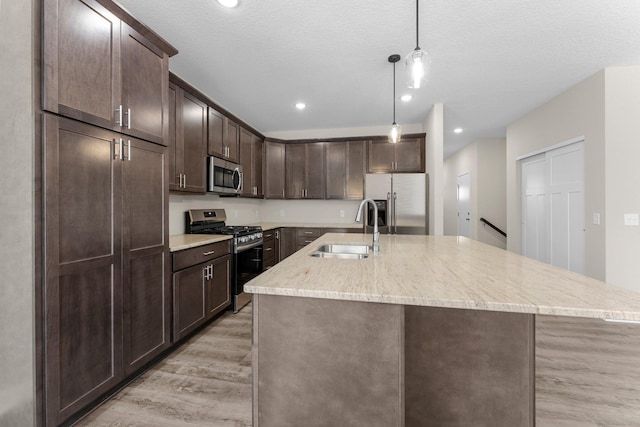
288, 244
106, 276
200, 291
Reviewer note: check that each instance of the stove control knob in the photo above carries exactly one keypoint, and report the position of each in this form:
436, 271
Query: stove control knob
253, 237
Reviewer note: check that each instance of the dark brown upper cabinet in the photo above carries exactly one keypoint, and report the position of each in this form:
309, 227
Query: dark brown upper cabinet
304, 171
405, 156
104, 68
224, 137
274, 175
187, 141
251, 161
345, 170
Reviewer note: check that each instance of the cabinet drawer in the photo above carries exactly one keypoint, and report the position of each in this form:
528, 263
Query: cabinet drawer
267, 263
269, 247
200, 254
310, 232
268, 235
303, 241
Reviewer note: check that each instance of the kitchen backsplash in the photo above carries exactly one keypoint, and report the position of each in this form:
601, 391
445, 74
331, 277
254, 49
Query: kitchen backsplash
247, 211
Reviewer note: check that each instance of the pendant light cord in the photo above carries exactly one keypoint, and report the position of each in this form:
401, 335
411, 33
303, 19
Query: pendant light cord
417, 38
394, 93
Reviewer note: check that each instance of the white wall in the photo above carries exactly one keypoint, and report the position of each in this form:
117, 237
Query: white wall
248, 211
622, 161
485, 161
577, 112
434, 127
17, 190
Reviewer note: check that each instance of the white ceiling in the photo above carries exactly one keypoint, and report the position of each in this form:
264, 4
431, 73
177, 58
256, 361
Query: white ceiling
493, 60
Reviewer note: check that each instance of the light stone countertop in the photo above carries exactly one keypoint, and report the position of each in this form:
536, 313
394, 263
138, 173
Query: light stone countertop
180, 242
445, 271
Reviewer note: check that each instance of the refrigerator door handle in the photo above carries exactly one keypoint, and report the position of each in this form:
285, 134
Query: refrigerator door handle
395, 213
389, 214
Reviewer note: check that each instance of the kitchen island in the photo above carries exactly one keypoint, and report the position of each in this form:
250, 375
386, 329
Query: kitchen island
441, 331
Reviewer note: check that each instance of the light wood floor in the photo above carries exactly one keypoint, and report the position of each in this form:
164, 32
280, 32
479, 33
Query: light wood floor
206, 382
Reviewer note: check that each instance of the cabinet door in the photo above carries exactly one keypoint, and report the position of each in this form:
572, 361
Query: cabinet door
81, 55
82, 281
288, 242
410, 155
257, 165
215, 133
295, 171
145, 87
246, 154
336, 169
381, 156
194, 141
356, 159
232, 139
218, 288
274, 170
146, 285
314, 170
175, 149
188, 300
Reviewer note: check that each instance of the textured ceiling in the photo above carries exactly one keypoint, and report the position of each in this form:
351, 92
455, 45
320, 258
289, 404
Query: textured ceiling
493, 60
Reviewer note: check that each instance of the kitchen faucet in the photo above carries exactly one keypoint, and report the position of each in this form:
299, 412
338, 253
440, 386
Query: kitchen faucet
376, 233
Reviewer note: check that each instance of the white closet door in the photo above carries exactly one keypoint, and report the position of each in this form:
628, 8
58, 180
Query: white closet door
533, 208
464, 205
565, 182
553, 207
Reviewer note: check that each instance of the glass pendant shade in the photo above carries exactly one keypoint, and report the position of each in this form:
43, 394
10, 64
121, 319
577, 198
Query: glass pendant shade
395, 133
418, 64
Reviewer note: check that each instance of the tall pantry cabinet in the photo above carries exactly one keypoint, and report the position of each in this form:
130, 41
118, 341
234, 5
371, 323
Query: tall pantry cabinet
106, 277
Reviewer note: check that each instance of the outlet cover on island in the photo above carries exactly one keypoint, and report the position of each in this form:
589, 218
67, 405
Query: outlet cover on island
281, 212
596, 218
341, 213
235, 214
631, 219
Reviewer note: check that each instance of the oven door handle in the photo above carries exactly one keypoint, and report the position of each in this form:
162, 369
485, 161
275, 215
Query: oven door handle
244, 248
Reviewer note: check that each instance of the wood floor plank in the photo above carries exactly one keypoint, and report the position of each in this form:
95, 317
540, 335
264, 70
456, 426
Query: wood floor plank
205, 382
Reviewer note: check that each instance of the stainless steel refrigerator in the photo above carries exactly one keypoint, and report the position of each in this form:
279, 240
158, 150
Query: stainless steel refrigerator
402, 201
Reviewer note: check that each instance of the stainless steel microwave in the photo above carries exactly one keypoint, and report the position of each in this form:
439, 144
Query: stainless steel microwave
223, 177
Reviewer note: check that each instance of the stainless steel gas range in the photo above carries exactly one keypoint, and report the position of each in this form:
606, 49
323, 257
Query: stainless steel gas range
246, 247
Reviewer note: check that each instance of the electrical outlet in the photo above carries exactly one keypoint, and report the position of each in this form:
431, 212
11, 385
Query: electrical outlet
235, 214
596, 218
631, 219
341, 213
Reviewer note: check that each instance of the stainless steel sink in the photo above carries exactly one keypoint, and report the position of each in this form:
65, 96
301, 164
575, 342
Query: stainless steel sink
342, 250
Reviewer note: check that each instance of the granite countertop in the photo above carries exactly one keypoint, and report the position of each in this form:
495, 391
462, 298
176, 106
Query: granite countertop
187, 241
445, 271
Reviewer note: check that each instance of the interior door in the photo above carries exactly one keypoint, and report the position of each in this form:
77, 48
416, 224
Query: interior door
565, 181
464, 204
533, 208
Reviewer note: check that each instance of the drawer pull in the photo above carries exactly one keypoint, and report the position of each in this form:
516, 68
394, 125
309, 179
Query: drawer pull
268, 249
308, 241
208, 253
308, 232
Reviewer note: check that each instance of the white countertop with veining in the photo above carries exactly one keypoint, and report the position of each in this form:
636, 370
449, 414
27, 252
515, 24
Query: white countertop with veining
187, 241
445, 271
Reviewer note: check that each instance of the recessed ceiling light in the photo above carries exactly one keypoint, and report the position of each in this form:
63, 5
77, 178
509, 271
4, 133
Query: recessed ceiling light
228, 3
406, 98
457, 130
301, 105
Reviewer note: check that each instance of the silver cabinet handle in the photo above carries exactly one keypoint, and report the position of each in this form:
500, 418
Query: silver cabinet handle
128, 156
119, 115
184, 180
211, 271
395, 212
302, 193
128, 114
208, 253
308, 232
205, 273
277, 234
283, 193
268, 249
117, 154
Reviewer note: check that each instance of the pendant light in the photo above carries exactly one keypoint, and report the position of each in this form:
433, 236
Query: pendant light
396, 131
417, 62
